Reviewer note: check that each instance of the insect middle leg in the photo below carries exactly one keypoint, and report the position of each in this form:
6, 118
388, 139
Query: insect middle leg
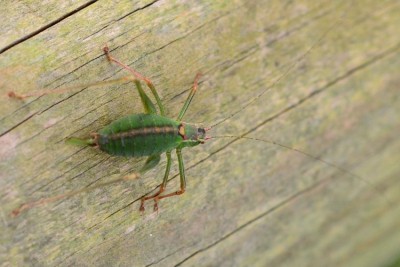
182, 181
162, 186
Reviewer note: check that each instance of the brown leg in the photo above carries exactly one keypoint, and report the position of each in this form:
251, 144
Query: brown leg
182, 181
177, 193
134, 72
138, 76
144, 199
162, 186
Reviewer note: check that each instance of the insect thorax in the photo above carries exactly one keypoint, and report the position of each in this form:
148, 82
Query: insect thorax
140, 135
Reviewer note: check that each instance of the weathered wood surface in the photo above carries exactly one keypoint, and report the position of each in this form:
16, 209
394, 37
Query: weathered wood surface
247, 203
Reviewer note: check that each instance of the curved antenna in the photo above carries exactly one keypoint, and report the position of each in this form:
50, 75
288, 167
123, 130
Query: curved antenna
337, 167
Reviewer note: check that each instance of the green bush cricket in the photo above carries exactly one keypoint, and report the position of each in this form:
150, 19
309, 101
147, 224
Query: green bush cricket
147, 134
151, 134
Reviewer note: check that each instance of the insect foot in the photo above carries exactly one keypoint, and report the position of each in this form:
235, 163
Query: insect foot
12, 94
155, 208
141, 209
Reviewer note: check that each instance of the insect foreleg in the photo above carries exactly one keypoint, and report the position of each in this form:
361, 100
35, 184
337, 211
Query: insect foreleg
190, 97
138, 76
162, 186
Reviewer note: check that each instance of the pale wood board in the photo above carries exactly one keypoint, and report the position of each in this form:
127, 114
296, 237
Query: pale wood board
327, 77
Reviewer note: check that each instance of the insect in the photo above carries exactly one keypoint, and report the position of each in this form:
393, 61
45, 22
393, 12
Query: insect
147, 134
150, 134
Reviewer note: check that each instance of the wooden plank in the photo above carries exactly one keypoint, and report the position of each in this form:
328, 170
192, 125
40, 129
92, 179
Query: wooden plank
321, 77
24, 19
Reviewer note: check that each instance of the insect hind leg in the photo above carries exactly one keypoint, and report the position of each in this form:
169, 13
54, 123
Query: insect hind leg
138, 76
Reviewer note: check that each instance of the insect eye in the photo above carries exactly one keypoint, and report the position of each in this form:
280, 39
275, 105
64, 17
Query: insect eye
201, 131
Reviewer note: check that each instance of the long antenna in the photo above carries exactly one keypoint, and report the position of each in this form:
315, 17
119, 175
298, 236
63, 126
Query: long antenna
341, 169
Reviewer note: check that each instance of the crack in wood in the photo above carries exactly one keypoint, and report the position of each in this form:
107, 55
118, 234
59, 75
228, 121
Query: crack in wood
121, 18
280, 205
47, 26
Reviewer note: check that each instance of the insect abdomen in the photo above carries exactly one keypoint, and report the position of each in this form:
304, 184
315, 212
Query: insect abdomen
140, 135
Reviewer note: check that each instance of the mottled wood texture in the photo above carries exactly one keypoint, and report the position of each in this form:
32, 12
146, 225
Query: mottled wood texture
248, 203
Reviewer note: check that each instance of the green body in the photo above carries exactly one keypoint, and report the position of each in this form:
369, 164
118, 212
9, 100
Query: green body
148, 134
145, 134
140, 135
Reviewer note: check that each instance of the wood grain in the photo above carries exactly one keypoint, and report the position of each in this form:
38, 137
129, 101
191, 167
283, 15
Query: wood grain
319, 76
